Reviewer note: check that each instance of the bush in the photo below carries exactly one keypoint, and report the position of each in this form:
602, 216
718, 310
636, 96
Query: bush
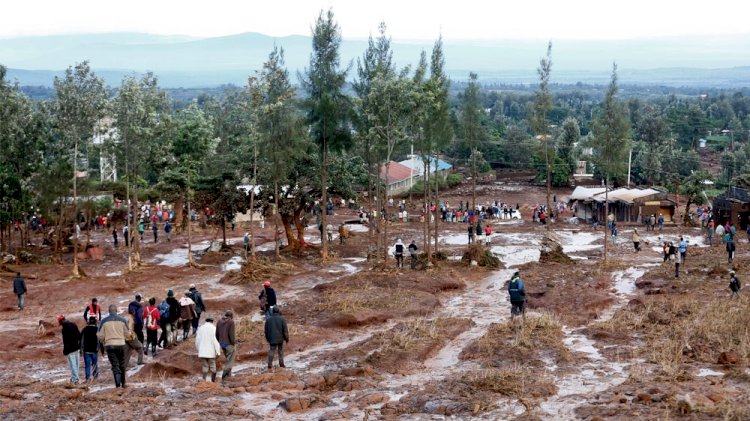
452, 180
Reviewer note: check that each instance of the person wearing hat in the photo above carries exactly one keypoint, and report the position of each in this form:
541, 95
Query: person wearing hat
517, 296
136, 309
225, 334
734, 285
200, 306
276, 334
267, 299
171, 321
113, 332
398, 251
187, 314
71, 337
208, 348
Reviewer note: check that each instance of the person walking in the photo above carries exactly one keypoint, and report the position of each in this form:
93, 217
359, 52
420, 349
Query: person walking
710, 232
151, 317
114, 237
174, 316
677, 262
636, 240
125, 235
730, 247
134, 345
517, 297
71, 337
398, 252
141, 230
225, 334
660, 221
187, 314
208, 348
276, 334
155, 230
168, 231
734, 285
200, 306
90, 347
113, 330
488, 235
93, 310
136, 309
471, 233
413, 253
329, 233
342, 233
683, 248
267, 299
19, 288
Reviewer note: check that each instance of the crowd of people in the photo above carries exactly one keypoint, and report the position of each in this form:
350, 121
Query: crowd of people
120, 336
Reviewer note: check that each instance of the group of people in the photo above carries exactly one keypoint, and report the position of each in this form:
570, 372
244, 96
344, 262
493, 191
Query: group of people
120, 336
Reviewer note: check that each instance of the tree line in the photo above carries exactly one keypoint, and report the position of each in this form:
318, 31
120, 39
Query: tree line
333, 131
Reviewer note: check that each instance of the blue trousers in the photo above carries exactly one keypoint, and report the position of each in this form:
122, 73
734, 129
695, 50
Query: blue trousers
91, 361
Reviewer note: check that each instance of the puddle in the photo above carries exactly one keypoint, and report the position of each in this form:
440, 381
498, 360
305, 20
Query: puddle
705, 372
235, 263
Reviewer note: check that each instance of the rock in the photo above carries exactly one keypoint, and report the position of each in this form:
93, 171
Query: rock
372, 398
291, 405
314, 382
7, 258
215, 246
715, 397
729, 358
643, 398
658, 318
277, 396
95, 253
623, 400
331, 378
657, 398
635, 304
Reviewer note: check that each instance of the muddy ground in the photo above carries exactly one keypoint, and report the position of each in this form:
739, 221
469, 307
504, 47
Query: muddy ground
625, 340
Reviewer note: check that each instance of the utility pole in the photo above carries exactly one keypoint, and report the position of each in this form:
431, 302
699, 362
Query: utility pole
630, 160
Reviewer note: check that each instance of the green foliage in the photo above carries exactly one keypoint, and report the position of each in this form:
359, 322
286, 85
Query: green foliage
570, 135
451, 180
611, 134
693, 186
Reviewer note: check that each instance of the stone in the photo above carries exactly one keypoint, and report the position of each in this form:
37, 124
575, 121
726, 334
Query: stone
729, 358
314, 381
372, 398
291, 404
715, 397
95, 253
551, 249
635, 304
623, 400
331, 378
643, 398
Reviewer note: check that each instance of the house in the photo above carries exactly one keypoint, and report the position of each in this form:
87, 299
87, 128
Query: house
627, 205
733, 206
416, 163
581, 201
400, 178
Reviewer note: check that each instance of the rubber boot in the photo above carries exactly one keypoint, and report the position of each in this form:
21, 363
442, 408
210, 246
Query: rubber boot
213, 377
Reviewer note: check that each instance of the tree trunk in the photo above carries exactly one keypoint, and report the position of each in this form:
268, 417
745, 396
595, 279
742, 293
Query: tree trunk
376, 214
385, 221
686, 216
324, 189
549, 182
129, 225
473, 179
190, 261
426, 188
286, 221
179, 213
76, 272
224, 231
277, 216
252, 200
136, 238
437, 203
606, 218
298, 224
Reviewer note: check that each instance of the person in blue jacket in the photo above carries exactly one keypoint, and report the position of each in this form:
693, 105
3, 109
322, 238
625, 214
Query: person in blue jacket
517, 296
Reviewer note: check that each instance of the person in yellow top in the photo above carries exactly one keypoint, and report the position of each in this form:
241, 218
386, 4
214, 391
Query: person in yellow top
636, 240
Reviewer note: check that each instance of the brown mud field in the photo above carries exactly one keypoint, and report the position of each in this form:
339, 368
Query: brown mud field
623, 340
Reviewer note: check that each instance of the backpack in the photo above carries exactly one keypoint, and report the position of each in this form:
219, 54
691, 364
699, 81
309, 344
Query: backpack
151, 320
164, 310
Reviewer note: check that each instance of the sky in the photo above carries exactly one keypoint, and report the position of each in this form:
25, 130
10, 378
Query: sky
405, 19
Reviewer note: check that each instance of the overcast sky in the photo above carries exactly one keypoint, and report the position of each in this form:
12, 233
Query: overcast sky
406, 19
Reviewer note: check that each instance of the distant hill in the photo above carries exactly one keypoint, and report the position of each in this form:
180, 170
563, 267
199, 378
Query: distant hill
179, 61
